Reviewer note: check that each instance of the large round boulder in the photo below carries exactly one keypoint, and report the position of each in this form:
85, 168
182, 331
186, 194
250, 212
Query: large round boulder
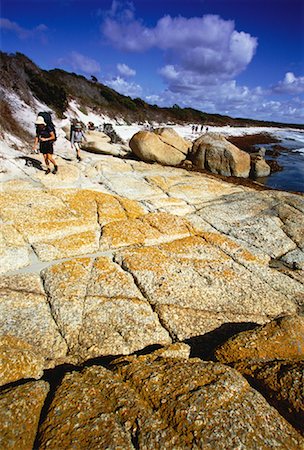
152, 147
171, 137
213, 152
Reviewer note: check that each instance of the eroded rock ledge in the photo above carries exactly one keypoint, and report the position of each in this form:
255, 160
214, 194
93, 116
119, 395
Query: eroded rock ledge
88, 274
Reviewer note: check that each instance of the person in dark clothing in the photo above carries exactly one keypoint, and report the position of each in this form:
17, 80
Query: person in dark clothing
45, 137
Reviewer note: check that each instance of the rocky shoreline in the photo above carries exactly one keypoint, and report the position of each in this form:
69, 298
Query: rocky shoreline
148, 307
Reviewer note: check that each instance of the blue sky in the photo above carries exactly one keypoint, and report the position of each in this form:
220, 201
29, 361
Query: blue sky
244, 58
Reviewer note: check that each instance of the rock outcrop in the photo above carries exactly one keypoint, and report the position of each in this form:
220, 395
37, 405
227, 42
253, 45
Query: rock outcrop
272, 358
162, 403
164, 147
98, 142
213, 152
282, 338
118, 256
281, 382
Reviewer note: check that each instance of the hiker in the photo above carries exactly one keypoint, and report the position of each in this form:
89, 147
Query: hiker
91, 126
45, 137
77, 137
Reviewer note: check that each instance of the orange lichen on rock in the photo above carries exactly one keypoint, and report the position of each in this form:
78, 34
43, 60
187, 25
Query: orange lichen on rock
73, 245
281, 338
18, 360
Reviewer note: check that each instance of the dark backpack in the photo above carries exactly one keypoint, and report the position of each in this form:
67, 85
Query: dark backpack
48, 120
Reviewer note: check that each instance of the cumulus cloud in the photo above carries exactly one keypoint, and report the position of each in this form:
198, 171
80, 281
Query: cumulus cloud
202, 57
234, 100
290, 85
206, 48
22, 33
80, 62
125, 70
124, 87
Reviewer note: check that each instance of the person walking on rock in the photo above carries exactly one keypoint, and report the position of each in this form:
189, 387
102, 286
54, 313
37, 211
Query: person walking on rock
45, 137
77, 136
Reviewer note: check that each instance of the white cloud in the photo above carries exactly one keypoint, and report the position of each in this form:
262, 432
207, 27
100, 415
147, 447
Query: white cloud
208, 45
236, 101
22, 33
124, 87
290, 85
79, 62
125, 70
202, 58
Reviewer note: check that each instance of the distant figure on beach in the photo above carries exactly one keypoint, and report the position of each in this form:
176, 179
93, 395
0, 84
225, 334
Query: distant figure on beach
91, 126
196, 128
193, 128
77, 136
202, 128
45, 137
207, 129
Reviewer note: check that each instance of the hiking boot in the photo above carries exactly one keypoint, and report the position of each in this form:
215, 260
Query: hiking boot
78, 157
47, 171
55, 170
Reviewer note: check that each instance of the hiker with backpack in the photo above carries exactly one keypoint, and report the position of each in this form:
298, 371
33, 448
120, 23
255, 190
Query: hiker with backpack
45, 136
77, 136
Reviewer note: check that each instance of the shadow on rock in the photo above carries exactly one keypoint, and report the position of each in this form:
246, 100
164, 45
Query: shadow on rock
32, 162
203, 346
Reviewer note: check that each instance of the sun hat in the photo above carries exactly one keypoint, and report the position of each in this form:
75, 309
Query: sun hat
40, 121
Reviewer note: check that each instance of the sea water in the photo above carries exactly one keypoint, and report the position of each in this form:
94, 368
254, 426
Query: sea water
291, 178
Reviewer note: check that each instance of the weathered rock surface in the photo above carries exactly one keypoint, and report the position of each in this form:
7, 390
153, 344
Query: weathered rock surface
268, 221
281, 383
63, 223
121, 273
25, 314
18, 360
20, 409
14, 251
150, 147
171, 137
282, 338
195, 286
99, 310
162, 403
213, 152
98, 142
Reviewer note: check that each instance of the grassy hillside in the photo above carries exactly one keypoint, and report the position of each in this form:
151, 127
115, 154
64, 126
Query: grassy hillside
56, 87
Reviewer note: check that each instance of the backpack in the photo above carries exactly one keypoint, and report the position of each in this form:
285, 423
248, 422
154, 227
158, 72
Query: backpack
48, 120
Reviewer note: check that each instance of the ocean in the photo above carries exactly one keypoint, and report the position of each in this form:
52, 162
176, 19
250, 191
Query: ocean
291, 178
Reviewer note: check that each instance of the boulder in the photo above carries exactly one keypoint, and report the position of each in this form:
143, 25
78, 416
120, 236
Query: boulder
150, 403
98, 142
213, 152
150, 147
282, 338
18, 360
171, 137
20, 409
259, 167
